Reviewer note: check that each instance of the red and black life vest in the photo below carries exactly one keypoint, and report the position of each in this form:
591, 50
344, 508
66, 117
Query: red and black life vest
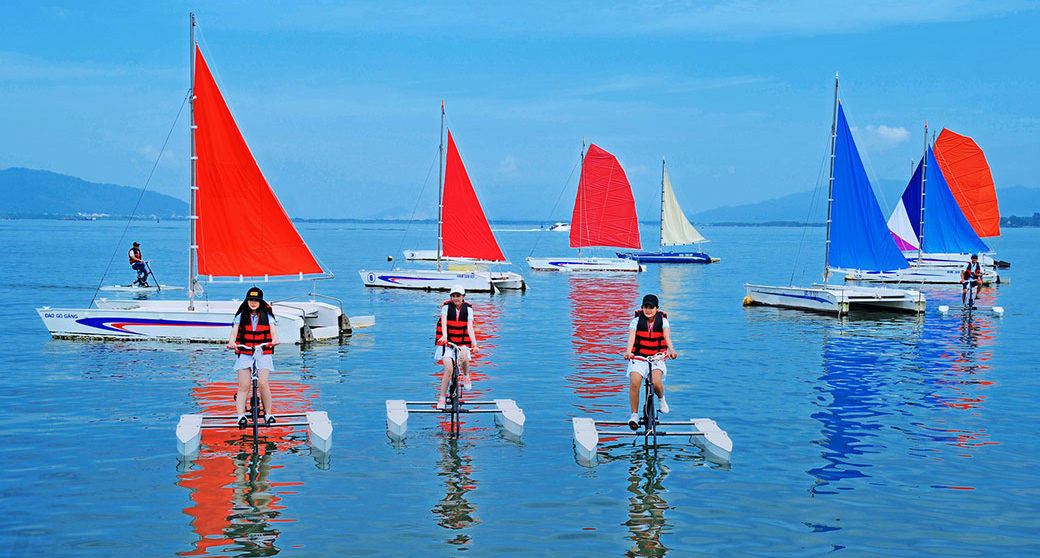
132, 253
458, 319
649, 334
252, 337
970, 273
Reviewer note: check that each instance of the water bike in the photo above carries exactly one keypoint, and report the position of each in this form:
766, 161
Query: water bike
507, 413
702, 432
970, 299
189, 429
141, 285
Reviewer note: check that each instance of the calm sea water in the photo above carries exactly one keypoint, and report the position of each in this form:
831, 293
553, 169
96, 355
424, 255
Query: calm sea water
866, 436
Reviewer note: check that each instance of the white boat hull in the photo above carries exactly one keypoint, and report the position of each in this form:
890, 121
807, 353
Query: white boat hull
584, 264
934, 275
170, 320
431, 280
508, 281
836, 299
135, 289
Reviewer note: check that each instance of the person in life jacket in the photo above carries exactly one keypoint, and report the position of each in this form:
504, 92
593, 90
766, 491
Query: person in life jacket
137, 263
456, 325
970, 276
649, 333
254, 323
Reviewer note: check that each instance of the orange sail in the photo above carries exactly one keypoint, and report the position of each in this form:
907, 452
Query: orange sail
242, 229
465, 230
966, 171
604, 211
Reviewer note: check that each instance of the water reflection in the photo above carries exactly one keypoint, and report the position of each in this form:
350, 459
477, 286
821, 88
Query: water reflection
646, 506
454, 511
235, 501
601, 307
889, 375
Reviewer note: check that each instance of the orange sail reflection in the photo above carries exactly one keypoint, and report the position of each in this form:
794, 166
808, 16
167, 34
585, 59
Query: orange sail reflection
235, 503
601, 308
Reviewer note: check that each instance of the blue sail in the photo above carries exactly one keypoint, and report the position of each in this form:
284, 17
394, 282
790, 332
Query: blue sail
859, 236
945, 228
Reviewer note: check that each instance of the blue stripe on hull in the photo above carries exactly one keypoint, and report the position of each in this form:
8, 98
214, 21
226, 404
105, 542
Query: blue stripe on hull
666, 257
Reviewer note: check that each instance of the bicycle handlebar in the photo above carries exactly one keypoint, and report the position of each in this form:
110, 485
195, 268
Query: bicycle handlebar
656, 357
254, 347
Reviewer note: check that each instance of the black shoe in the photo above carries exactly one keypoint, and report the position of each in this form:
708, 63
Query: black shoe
242, 422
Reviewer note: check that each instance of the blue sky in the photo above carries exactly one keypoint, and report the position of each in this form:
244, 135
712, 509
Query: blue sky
339, 101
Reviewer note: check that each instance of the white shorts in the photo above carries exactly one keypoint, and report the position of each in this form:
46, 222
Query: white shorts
443, 352
245, 360
641, 367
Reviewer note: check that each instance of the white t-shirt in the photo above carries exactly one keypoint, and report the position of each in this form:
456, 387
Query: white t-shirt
270, 319
635, 322
444, 312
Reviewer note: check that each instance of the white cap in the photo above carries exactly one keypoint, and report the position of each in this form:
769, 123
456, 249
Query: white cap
458, 289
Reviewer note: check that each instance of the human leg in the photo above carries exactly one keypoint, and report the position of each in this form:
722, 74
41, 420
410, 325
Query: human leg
264, 385
659, 389
244, 383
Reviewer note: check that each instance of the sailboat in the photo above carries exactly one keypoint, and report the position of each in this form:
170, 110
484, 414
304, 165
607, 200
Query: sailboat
931, 230
857, 238
676, 230
466, 245
239, 233
604, 215
969, 179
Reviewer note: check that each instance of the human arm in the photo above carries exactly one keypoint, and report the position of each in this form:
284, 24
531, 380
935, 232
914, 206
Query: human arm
631, 344
234, 335
444, 326
274, 329
472, 327
668, 343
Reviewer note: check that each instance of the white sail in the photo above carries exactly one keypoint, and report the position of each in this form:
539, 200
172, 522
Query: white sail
675, 227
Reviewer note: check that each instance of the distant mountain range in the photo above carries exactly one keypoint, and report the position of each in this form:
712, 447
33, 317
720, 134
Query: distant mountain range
28, 192
1015, 200
43, 193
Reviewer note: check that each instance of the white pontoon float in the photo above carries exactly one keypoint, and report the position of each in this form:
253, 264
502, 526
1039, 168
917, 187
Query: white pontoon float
507, 414
189, 429
702, 432
968, 310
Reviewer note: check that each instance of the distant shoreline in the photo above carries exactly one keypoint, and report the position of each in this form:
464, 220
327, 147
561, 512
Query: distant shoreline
1011, 221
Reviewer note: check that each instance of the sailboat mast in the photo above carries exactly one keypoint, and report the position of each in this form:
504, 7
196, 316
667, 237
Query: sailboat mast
440, 197
830, 185
660, 243
924, 180
193, 186
581, 176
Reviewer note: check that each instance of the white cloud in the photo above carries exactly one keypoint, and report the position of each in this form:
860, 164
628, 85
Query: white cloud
880, 138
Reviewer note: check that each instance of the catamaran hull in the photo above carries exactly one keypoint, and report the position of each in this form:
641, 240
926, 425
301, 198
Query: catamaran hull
923, 274
133, 289
432, 280
837, 299
508, 281
584, 264
169, 320
668, 257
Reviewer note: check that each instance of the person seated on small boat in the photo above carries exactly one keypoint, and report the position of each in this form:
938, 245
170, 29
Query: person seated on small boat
457, 324
649, 333
137, 262
254, 324
971, 275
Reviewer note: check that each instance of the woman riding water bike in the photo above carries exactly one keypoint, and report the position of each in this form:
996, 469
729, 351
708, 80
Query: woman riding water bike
649, 333
254, 325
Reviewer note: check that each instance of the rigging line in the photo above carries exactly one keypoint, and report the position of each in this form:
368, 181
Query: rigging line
139, 197
813, 200
418, 199
557, 202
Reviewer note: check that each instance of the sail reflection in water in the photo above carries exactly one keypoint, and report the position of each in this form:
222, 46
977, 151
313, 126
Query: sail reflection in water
235, 502
454, 511
601, 308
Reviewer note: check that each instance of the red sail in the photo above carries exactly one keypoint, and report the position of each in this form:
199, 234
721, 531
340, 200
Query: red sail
464, 230
966, 171
604, 211
242, 230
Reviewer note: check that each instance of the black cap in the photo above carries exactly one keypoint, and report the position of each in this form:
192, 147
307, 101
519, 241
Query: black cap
974, 256
137, 244
650, 300
254, 294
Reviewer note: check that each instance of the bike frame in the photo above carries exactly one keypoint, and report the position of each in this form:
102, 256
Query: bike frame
454, 396
254, 396
650, 418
